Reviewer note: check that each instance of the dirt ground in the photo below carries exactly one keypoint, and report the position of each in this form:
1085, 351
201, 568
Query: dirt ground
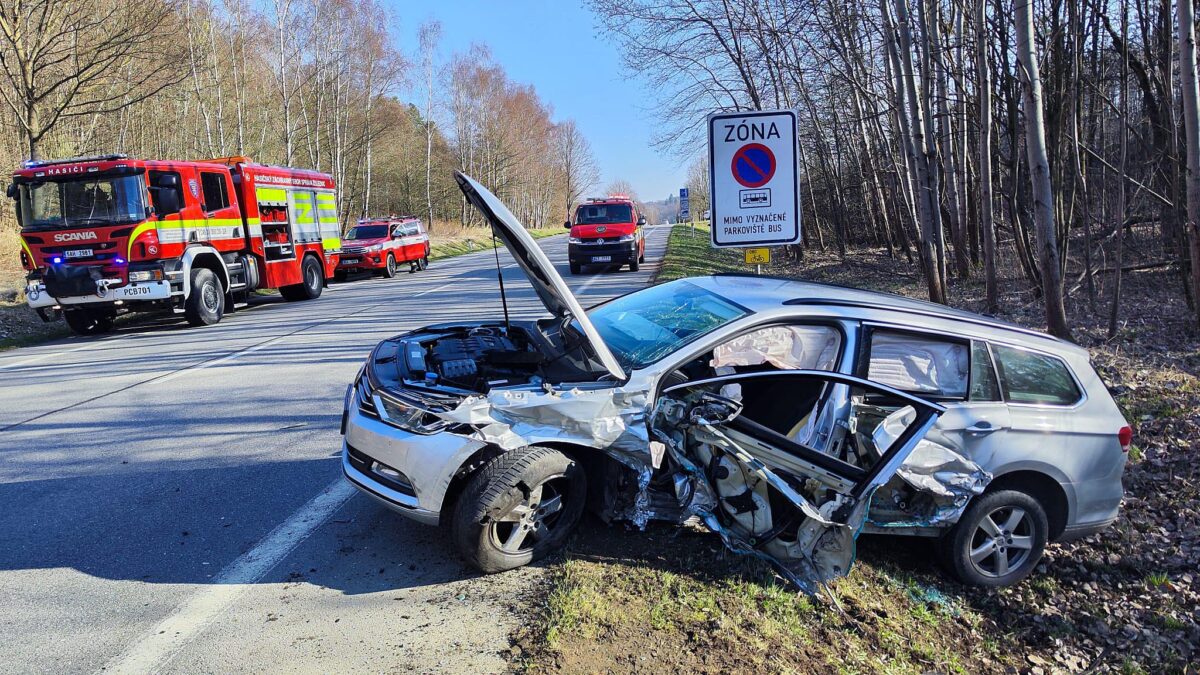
1124, 600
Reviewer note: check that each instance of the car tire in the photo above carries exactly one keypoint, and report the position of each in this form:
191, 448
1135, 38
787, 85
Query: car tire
576, 268
87, 322
998, 540
423, 263
519, 507
205, 303
310, 287
389, 266
633, 265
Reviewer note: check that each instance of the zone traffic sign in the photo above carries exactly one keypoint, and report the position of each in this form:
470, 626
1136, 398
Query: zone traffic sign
754, 184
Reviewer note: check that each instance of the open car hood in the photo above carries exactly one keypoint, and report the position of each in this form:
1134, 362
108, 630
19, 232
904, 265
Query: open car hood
546, 281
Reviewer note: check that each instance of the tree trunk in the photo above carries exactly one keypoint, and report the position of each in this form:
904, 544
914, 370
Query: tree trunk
1191, 119
1039, 173
986, 226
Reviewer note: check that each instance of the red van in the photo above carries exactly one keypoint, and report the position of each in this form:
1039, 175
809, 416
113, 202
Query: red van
606, 231
380, 245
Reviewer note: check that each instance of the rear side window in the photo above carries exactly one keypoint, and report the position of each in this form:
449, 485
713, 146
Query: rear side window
216, 193
919, 364
1029, 377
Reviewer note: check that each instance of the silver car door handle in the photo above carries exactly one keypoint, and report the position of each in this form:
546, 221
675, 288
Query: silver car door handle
981, 428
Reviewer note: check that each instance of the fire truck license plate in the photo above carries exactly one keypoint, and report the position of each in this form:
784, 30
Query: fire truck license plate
350, 261
78, 253
602, 258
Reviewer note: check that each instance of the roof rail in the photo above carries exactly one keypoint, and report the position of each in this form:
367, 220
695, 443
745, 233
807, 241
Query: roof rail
35, 163
963, 316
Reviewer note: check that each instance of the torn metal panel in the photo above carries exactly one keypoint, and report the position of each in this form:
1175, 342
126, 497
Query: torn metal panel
945, 481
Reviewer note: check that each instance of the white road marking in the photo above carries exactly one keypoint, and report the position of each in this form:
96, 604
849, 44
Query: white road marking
154, 650
47, 355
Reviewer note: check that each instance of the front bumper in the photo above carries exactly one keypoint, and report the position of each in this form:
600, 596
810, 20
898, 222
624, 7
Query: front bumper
36, 296
351, 262
616, 252
427, 462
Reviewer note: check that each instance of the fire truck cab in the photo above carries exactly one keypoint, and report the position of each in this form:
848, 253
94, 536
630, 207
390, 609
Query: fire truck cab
109, 234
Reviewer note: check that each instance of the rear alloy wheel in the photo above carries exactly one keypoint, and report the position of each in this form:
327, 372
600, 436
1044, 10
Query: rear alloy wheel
519, 507
88, 322
998, 540
312, 282
389, 269
205, 303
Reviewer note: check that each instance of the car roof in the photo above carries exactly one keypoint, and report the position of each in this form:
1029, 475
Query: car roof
767, 293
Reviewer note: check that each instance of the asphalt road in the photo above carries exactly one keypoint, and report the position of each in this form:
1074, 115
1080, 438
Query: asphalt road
171, 498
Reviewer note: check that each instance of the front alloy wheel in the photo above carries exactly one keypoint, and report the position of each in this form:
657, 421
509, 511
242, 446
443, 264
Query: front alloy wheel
519, 507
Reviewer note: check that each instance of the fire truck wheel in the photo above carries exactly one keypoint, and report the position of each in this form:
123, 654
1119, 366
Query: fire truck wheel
87, 322
205, 303
310, 288
389, 268
423, 263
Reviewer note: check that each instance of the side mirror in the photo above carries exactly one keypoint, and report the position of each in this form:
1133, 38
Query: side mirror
641, 221
12, 191
168, 202
567, 224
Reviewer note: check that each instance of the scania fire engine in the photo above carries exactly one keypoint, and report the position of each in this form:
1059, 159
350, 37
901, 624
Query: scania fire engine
107, 234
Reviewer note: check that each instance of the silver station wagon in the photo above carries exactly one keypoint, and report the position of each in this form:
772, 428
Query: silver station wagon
787, 416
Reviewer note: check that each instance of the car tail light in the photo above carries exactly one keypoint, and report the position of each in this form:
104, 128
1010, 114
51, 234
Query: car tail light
1125, 436
26, 262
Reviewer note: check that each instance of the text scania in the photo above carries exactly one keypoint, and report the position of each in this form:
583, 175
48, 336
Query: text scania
750, 132
76, 236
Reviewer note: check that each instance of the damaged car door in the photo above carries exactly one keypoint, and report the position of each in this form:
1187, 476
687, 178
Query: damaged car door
767, 494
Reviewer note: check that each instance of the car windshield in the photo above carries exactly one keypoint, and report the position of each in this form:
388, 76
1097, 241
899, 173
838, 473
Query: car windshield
643, 327
367, 232
82, 203
603, 214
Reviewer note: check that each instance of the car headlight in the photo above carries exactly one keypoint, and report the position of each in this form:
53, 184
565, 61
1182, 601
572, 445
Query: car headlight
408, 417
574, 240
375, 247
626, 237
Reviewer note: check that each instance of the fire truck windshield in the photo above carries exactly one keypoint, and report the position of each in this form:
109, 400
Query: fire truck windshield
87, 202
603, 214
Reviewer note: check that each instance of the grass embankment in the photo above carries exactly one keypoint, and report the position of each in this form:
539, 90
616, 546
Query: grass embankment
447, 243
1121, 601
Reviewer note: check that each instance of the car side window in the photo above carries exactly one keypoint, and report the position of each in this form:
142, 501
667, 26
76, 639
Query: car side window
918, 364
984, 386
1030, 377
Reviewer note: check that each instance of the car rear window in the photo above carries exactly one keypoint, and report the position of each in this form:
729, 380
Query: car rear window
1030, 377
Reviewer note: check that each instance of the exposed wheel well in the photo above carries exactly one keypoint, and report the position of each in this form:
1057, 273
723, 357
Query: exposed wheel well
210, 261
1047, 491
589, 457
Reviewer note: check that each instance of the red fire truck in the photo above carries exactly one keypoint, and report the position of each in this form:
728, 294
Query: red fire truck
108, 234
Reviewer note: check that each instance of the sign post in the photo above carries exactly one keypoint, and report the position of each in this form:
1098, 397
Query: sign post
754, 185
685, 212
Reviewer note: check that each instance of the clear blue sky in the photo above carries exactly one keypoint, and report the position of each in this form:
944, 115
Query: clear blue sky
553, 46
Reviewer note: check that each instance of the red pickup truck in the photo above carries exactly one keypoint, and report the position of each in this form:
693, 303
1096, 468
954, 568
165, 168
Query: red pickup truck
380, 245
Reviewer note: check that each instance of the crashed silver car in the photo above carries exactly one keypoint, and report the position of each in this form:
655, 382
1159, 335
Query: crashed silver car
786, 416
